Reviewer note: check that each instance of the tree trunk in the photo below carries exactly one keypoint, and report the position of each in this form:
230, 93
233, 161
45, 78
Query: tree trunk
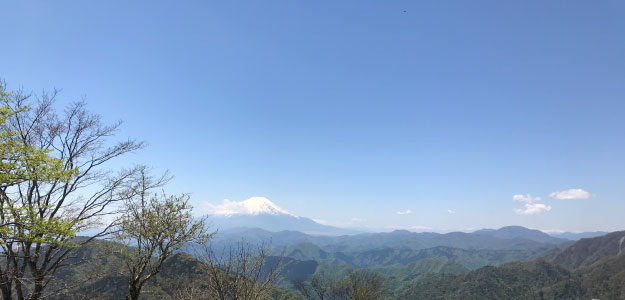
5, 287
133, 292
19, 293
36, 294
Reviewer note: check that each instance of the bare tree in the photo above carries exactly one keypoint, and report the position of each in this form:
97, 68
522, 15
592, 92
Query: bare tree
318, 287
152, 228
190, 291
240, 272
361, 284
357, 285
41, 214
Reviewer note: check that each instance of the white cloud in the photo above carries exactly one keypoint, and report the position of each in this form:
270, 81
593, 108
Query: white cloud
533, 209
551, 231
451, 212
404, 212
570, 194
527, 198
322, 222
346, 224
410, 228
419, 228
531, 205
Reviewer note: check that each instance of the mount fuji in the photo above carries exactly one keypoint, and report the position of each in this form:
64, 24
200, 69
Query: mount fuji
259, 212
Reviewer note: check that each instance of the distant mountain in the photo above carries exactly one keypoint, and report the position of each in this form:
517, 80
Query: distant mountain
510, 281
384, 257
257, 236
586, 252
590, 268
277, 223
251, 207
574, 236
420, 267
400, 242
519, 232
422, 240
259, 212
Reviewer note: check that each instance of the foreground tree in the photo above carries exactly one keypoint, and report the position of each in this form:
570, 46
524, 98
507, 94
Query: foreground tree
152, 228
360, 284
318, 287
53, 184
239, 272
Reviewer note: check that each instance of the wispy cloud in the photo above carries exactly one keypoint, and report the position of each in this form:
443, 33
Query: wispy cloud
404, 212
552, 231
411, 228
570, 194
323, 222
527, 198
451, 211
353, 222
418, 228
533, 209
531, 205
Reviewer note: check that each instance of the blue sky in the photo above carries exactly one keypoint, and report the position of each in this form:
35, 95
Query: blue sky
353, 111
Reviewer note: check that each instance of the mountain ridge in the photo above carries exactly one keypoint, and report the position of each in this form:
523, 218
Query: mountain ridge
515, 232
589, 268
260, 212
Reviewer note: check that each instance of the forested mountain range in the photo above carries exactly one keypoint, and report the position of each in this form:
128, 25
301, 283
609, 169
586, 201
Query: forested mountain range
512, 237
590, 267
574, 236
93, 272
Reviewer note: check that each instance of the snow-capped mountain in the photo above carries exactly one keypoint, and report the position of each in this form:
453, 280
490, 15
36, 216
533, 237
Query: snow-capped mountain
253, 206
259, 212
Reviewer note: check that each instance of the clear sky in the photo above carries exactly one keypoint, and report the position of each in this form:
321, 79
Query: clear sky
354, 111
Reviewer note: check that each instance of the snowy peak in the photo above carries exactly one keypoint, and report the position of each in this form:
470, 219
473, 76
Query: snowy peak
253, 206
262, 205
259, 212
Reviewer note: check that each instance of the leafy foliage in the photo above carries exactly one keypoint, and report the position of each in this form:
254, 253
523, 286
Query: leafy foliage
20, 162
95, 274
152, 228
53, 184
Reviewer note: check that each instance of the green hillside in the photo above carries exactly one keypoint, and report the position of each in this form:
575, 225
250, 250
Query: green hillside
590, 268
96, 274
468, 258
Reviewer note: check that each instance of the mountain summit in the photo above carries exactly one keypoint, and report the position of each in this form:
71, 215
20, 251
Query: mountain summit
262, 205
519, 232
253, 206
259, 212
